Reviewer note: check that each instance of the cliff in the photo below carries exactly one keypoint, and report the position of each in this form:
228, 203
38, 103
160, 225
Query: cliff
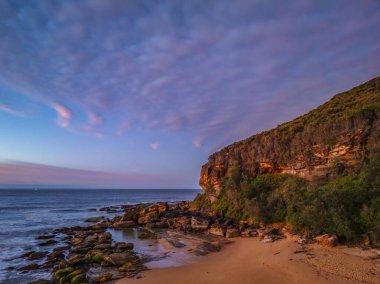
332, 139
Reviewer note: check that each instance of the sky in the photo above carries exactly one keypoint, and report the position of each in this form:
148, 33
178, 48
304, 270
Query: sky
138, 94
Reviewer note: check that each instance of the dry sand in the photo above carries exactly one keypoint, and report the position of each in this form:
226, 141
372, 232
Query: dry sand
248, 260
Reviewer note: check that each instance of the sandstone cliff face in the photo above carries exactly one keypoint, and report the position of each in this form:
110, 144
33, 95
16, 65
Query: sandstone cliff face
334, 137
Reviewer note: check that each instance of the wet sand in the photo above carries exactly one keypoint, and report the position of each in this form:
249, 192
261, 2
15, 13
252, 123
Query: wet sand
248, 260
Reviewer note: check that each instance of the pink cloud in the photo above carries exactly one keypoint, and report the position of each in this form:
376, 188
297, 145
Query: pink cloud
155, 146
64, 115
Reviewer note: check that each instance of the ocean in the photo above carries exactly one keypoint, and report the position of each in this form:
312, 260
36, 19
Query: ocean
27, 213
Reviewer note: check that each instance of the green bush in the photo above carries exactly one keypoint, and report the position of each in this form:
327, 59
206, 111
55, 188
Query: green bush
348, 206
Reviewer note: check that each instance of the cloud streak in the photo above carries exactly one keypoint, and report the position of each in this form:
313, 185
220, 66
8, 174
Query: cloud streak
218, 70
30, 174
10, 110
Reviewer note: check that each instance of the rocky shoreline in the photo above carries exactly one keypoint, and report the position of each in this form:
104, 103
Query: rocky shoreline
89, 254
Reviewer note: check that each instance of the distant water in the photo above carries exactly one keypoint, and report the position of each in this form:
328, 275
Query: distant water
24, 214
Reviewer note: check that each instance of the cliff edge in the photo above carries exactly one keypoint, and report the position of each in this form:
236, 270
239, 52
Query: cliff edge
334, 138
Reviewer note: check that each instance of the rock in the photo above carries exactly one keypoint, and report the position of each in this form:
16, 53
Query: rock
62, 272
101, 274
232, 233
118, 258
268, 239
106, 236
327, 240
75, 273
146, 234
178, 222
98, 258
271, 231
37, 255
302, 241
102, 246
74, 259
217, 230
48, 243
200, 252
45, 237
94, 219
126, 267
199, 223
176, 243
61, 249
131, 214
26, 254
89, 239
33, 266
249, 233
147, 214
206, 247
124, 246
300, 250
209, 247
366, 240
124, 224
77, 279
102, 225
160, 207
41, 281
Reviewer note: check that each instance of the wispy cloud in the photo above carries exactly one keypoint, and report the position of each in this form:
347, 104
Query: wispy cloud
155, 146
124, 127
219, 70
10, 110
21, 173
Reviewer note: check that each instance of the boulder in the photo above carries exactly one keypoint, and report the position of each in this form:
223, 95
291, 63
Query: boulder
101, 274
37, 255
206, 247
118, 259
176, 243
74, 259
178, 222
94, 219
104, 237
268, 239
146, 234
249, 233
232, 233
271, 231
45, 237
124, 224
48, 243
33, 266
102, 246
199, 223
217, 230
124, 246
327, 240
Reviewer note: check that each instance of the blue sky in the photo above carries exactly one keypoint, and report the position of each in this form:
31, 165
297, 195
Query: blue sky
137, 94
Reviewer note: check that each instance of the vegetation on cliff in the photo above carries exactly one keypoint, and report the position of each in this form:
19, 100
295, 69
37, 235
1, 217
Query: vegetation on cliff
348, 206
319, 173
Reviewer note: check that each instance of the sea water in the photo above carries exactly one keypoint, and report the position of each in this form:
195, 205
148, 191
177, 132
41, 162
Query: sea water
27, 213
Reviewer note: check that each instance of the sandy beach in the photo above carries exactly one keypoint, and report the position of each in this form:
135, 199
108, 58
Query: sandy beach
248, 260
